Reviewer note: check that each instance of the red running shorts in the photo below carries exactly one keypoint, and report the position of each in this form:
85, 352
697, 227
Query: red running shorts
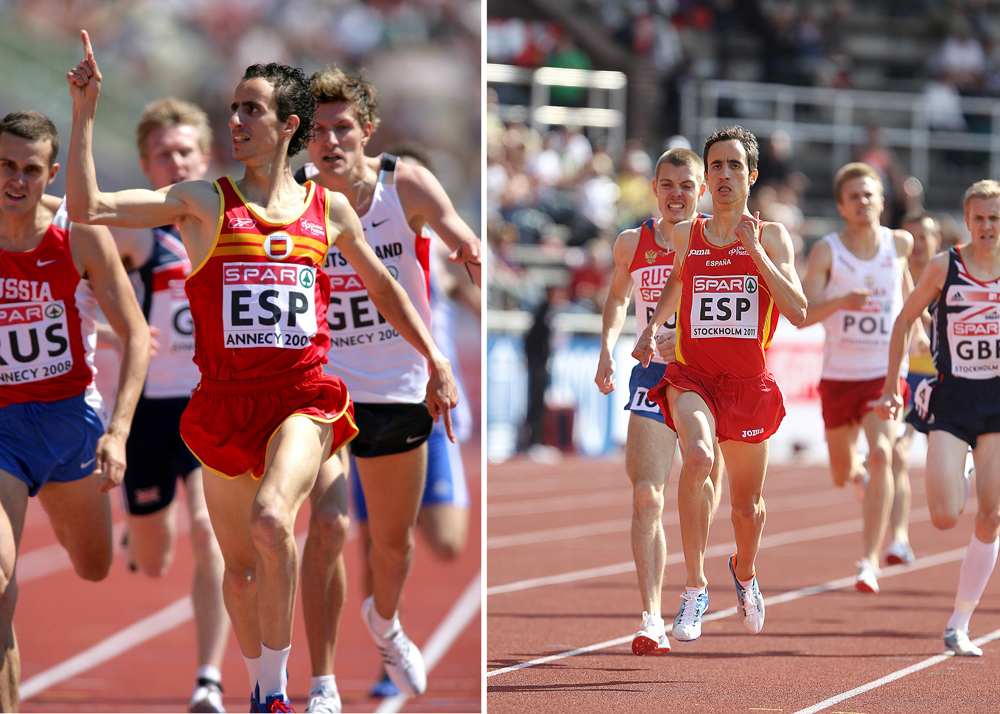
846, 402
228, 425
747, 410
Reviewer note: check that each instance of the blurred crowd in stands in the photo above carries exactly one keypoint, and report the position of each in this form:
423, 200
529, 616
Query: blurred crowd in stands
412, 50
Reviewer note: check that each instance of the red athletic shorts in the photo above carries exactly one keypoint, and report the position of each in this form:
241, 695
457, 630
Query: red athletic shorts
846, 402
228, 425
748, 410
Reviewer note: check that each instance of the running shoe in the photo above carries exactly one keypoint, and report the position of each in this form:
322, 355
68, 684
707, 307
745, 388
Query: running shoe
322, 701
652, 638
277, 703
207, 696
957, 640
687, 624
867, 577
403, 662
899, 553
383, 688
749, 605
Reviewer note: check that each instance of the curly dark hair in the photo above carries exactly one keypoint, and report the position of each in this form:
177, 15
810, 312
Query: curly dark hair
736, 133
293, 96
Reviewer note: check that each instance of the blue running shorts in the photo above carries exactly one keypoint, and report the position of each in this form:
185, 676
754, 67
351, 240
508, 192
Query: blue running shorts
445, 485
42, 442
642, 380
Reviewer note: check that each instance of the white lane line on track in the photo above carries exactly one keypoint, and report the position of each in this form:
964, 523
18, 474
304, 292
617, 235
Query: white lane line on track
156, 624
768, 541
453, 624
621, 525
919, 564
936, 659
173, 615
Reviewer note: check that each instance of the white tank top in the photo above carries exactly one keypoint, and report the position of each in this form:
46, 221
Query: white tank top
375, 362
857, 341
172, 371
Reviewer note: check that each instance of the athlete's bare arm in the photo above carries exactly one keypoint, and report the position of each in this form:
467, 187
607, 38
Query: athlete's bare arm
645, 346
770, 246
97, 260
817, 277
615, 307
393, 304
927, 290
191, 205
425, 201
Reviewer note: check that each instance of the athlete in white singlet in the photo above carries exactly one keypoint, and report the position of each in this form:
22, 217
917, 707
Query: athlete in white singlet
174, 141
644, 258
856, 282
56, 440
386, 378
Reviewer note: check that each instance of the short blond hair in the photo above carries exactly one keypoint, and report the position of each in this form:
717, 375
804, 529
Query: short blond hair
681, 157
853, 170
987, 188
335, 85
169, 112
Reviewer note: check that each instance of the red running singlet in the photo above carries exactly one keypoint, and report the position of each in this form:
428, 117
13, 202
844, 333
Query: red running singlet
47, 331
259, 299
726, 317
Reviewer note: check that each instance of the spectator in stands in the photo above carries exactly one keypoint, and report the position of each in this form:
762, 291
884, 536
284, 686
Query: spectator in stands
773, 165
567, 54
961, 57
637, 202
883, 159
597, 197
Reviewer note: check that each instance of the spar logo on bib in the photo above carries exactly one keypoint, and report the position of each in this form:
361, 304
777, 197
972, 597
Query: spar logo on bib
724, 306
278, 246
268, 305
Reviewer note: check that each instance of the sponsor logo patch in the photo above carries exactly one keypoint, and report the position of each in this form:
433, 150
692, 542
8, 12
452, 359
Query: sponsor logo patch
242, 223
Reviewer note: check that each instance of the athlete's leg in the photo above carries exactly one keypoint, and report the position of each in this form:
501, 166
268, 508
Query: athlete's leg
229, 502
393, 487
699, 471
81, 519
152, 538
881, 435
945, 477
13, 503
899, 516
842, 443
324, 578
649, 455
747, 466
444, 511
293, 459
210, 617
445, 528
697, 509
981, 555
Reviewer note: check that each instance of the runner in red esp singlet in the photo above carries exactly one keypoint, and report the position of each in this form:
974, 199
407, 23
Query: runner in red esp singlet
269, 339
264, 418
732, 274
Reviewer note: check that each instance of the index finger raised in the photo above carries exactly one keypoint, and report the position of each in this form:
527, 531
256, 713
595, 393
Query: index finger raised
88, 51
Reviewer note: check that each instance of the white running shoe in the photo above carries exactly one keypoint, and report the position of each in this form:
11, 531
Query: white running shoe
957, 640
207, 697
749, 602
323, 702
652, 638
403, 662
898, 553
687, 624
867, 577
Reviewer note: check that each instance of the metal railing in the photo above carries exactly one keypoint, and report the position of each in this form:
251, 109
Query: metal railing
840, 118
606, 99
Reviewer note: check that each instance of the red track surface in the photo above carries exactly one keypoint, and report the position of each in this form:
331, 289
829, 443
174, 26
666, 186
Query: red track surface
814, 646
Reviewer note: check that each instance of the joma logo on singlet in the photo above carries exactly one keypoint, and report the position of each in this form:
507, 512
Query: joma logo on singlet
704, 251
